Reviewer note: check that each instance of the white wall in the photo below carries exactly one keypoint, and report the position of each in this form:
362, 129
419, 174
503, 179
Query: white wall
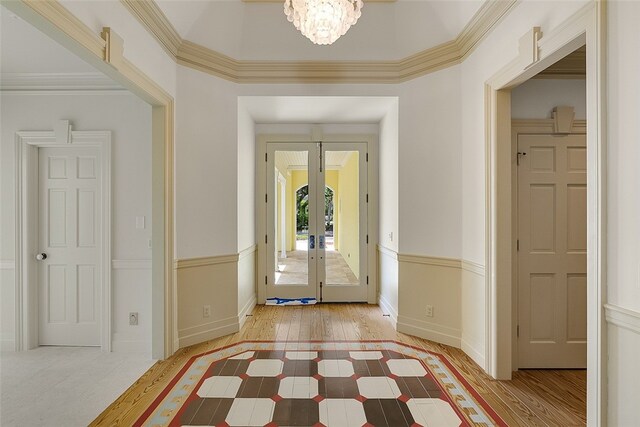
500, 47
536, 98
623, 198
129, 120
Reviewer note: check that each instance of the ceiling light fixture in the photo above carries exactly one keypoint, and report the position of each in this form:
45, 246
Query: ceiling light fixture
323, 21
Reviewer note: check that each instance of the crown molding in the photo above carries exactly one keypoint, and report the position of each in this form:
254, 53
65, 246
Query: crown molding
156, 22
56, 82
201, 58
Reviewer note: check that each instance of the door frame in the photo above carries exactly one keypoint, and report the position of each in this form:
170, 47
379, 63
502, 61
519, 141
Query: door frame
526, 127
371, 140
586, 26
27, 228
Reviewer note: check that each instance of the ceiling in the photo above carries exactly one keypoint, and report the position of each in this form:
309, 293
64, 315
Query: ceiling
260, 31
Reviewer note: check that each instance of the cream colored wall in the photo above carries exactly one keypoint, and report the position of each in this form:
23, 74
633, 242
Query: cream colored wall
433, 281
349, 213
332, 179
214, 284
299, 178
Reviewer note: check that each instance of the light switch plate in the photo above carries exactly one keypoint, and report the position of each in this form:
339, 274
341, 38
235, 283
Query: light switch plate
140, 222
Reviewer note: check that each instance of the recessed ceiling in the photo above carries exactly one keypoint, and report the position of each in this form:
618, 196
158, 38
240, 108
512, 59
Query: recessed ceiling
260, 31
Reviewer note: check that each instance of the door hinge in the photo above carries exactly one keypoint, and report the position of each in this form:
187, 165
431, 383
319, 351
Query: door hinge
518, 245
367, 197
265, 239
518, 331
367, 280
266, 198
367, 239
265, 156
265, 280
367, 157
320, 156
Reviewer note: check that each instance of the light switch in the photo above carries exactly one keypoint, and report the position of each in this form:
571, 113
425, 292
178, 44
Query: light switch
140, 222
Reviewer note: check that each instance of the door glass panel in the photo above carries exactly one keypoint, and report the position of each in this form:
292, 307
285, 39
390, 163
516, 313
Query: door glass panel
342, 217
291, 218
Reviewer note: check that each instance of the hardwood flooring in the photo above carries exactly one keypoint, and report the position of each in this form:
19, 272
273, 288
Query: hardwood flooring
532, 398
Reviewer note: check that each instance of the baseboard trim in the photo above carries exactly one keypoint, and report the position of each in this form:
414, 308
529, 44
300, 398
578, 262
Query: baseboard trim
386, 306
120, 344
623, 317
247, 309
208, 331
429, 331
7, 345
472, 352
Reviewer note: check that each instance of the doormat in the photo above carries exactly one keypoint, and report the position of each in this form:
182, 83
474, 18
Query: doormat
291, 301
345, 383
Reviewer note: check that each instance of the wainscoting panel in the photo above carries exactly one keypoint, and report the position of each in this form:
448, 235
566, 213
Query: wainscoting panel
388, 279
430, 281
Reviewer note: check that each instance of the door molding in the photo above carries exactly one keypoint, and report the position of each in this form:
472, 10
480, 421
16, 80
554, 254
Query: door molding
27, 188
586, 26
261, 208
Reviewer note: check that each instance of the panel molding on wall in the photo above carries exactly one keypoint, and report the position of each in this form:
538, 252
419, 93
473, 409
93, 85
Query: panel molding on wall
623, 317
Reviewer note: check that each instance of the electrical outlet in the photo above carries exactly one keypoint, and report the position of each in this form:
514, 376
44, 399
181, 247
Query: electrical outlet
206, 311
429, 311
133, 319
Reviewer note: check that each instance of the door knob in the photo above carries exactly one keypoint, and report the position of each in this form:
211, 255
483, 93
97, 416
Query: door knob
42, 256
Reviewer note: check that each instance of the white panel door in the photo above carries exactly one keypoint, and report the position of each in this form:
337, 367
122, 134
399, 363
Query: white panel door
552, 256
69, 235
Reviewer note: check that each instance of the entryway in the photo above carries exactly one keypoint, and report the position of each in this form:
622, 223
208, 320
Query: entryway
317, 221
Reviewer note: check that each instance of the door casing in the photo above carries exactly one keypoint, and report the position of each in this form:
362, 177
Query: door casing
27, 145
261, 207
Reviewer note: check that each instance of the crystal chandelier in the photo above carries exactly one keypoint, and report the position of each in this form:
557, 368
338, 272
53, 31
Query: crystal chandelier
323, 21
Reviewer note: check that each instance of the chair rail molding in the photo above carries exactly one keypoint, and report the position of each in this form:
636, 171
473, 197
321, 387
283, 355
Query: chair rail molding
623, 317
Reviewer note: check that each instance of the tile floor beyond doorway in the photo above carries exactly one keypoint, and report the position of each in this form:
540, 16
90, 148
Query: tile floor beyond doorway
294, 269
63, 386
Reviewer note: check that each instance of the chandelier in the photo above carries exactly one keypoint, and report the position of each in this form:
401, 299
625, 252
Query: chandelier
323, 21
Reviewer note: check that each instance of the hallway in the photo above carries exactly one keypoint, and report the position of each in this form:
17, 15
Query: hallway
533, 397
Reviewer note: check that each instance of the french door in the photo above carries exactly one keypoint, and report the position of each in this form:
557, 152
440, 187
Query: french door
317, 221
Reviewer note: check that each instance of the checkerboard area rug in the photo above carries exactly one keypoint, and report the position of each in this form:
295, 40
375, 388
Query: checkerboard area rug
333, 384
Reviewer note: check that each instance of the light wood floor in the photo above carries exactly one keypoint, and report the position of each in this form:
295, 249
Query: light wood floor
532, 398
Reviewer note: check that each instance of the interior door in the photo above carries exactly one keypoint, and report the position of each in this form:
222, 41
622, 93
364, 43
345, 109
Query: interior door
69, 267
317, 221
552, 256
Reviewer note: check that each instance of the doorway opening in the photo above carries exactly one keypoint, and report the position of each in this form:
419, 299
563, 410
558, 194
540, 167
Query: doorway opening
317, 221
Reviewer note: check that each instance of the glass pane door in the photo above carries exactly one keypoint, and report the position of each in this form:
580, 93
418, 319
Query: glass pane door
343, 222
291, 237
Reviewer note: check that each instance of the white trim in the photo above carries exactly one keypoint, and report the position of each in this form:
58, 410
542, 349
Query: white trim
472, 352
623, 317
27, 144
124, 345
430, 260
57, 82
386, 306
247, 309
208, 331
388, 252
429, 331
587, 25
131, 264
473, 267
7, 264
